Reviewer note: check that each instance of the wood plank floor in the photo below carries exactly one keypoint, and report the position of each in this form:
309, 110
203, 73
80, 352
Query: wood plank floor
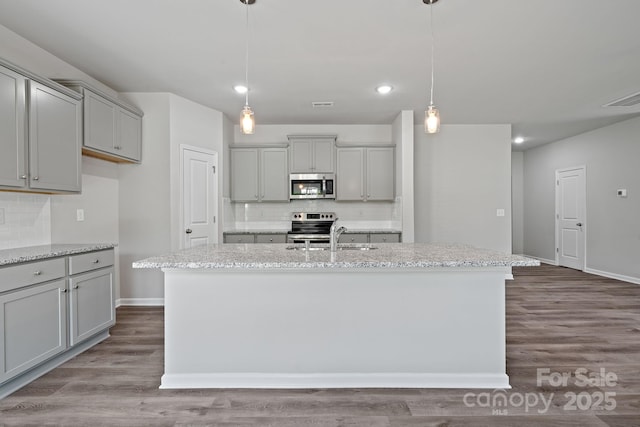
558, 319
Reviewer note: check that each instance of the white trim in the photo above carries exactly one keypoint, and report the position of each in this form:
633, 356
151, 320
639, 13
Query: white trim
334, 380
630, 279
142, 302
543, 260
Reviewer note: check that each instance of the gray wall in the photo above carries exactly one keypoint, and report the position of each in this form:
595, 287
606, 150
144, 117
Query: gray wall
517, 202
611, 156
462, 176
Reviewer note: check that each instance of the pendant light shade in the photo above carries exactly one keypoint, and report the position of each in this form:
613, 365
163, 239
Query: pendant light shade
432, 120
432, 115
247, 121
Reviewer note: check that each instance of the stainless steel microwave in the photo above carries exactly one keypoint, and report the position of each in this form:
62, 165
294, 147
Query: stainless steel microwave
312, 186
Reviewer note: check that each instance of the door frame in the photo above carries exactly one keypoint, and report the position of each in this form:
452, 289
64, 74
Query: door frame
183, 148
557, 213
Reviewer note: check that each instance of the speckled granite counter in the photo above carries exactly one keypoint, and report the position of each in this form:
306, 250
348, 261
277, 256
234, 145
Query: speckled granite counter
35, 253
287, 256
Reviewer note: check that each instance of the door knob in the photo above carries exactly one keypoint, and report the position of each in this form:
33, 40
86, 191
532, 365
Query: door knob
188, 231
579, 224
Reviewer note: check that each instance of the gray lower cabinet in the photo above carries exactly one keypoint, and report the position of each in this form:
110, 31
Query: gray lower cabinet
47, 308
369, 238
33, 319
47, 157
255, 238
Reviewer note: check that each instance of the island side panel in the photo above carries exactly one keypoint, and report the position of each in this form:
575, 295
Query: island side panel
337, 328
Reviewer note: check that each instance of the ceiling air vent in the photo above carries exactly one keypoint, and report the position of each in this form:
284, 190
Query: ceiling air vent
322, 104
627, 101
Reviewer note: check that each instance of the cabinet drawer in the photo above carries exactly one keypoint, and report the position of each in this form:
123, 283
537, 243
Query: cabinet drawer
271, 238
239, 238
90, 261
384, 238
354, 238
21, 275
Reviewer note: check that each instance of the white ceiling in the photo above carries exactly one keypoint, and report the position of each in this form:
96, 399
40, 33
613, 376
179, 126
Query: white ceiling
545, 66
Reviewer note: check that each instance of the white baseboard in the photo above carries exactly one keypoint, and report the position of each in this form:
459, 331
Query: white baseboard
334, 380
543, 260
150, 302
629, 279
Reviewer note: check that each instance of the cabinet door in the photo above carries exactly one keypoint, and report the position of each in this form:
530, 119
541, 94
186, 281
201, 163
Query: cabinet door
99, 122
129, 141
13, 166
54, 139
33, 327
323, 156
380, 173
274, 186
350, 174
301, 156
92, 307
244, 174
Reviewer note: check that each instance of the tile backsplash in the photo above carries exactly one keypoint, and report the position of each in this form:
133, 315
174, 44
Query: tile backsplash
25, 220
277, 216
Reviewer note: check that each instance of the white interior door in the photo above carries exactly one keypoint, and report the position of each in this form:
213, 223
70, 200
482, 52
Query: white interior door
199, 196
570, 217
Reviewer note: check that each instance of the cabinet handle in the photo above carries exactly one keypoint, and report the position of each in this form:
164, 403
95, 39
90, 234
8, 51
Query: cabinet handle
37, 273
23, 177
36, 178
97, 261
188, 231
76, 286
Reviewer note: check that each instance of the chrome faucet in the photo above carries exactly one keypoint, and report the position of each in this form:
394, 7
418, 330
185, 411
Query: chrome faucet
334, 235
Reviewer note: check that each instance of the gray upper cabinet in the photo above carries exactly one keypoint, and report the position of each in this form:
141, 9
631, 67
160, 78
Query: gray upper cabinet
259, 174
312, 153
13, 168
40, 140
112, 129
366, 173
54, 140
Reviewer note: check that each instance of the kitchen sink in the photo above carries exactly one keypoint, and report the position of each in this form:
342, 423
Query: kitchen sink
341, 247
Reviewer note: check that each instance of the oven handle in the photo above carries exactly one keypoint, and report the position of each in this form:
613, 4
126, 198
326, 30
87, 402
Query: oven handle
324, 186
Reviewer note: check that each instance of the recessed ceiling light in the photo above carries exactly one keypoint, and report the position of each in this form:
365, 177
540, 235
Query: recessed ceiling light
518, 140
384, 89
240, 89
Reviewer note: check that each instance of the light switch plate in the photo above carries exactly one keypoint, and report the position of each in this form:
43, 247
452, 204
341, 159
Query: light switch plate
499, 212
79, 214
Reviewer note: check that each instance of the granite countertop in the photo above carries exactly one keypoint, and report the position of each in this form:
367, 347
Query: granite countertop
35, 253
349, 231
385, 255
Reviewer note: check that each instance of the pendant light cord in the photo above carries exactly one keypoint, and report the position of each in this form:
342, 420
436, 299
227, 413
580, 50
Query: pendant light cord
246, 69
432, 49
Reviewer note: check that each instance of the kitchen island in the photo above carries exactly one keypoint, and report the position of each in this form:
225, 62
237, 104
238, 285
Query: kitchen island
286, 316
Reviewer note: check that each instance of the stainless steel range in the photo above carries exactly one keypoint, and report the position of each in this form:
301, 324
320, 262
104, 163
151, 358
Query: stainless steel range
311, 226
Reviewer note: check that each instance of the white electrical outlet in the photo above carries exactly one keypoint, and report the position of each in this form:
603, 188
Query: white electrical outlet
79, 214
622, 192
1, 216
499, 212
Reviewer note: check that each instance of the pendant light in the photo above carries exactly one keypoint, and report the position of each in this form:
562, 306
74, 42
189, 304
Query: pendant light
247, 119
432, 115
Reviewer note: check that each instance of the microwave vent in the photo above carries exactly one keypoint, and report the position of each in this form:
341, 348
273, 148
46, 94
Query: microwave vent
322, 104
